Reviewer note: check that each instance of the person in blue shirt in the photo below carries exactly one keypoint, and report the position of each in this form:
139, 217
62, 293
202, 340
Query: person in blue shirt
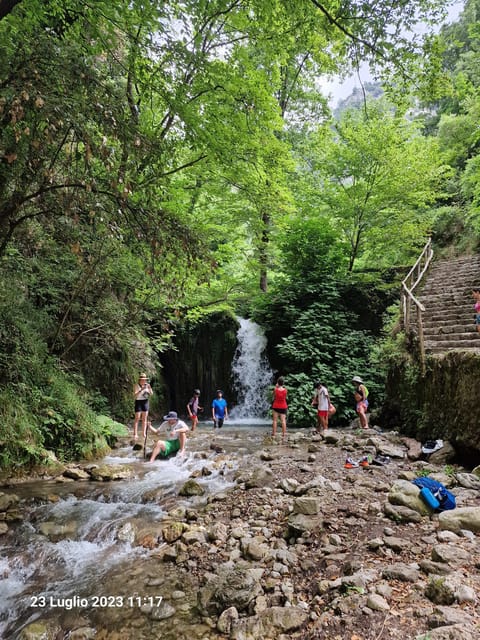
219, 410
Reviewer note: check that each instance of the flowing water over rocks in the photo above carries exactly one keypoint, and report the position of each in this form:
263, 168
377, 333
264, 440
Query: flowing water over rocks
246, 539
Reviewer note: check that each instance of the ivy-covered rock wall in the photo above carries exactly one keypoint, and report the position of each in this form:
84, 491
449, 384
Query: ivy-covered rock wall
444, 403
201, 358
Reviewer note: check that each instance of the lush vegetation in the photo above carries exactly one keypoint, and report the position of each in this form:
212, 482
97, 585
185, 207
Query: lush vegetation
160, 160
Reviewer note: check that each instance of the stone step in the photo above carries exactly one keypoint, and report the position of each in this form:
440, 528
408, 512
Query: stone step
436, 329
453, 346
449, 337
432, 345
446, 293
446, 316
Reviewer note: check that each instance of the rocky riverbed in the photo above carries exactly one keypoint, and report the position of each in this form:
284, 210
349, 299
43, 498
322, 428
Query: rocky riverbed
299, 547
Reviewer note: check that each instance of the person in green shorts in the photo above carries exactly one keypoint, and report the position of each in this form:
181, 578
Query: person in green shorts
176, 439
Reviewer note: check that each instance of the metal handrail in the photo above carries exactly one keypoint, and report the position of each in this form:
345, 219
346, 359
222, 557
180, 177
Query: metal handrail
409, 284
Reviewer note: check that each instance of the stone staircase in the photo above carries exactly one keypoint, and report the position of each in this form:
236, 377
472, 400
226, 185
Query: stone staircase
448, 319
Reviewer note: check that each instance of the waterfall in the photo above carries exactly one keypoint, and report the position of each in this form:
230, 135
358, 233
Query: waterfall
251, 372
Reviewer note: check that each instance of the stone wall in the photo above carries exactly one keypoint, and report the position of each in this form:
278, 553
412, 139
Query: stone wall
445, 403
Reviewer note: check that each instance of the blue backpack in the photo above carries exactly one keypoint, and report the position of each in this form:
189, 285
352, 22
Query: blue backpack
445, 498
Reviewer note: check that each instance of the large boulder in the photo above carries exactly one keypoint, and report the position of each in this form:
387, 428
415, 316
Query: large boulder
460, 518
406, 494
235, 587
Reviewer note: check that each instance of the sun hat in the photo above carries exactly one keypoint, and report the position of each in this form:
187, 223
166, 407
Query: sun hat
357, 379
219, 391
142, 376
196, 392
171, 415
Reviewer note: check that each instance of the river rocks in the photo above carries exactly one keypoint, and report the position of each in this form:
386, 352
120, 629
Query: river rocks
269, 623
172, 531
192, 488
76, 473
460, 518
407, 494
55, 531
299, 551
444, 455
7, 501
107, 473
39, 631
260, 477
235, 587
227, 620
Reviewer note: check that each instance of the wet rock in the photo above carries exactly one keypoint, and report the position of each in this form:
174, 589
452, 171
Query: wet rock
82, 633
126, 533
3, 528
76, 473
163, 612
108, 473
172, 531
39, 631
191, 488
56, 532
8, 500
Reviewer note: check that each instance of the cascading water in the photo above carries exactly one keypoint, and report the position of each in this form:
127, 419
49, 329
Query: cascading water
251, 372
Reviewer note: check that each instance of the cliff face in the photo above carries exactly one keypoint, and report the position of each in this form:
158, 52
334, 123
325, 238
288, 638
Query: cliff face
445, 403
202, 358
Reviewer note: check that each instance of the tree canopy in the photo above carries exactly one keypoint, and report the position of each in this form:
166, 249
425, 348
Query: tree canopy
159, 160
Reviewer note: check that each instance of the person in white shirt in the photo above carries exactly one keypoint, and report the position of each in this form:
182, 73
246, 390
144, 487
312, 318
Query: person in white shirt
321, 401
176, 439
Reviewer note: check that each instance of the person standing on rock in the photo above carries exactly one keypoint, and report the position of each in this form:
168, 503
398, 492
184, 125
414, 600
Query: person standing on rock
321, 401
219, 410
476, 297
361, 406
279, 408
193, 408
142, 392
176, 439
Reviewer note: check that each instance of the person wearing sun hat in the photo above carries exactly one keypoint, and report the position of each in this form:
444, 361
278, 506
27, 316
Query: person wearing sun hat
142, 392
176, 439
361, 406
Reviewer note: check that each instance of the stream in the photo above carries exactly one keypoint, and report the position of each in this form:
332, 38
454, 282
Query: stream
75, 552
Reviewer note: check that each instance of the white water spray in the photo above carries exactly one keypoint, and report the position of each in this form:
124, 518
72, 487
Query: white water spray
251, 372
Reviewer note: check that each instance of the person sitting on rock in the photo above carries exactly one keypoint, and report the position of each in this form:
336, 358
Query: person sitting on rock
176, 440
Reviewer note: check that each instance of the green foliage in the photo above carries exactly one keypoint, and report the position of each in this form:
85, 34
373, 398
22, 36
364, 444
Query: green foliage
324, 347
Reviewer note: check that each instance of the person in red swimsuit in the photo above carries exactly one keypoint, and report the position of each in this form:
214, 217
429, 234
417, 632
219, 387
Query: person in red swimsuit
279, 407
